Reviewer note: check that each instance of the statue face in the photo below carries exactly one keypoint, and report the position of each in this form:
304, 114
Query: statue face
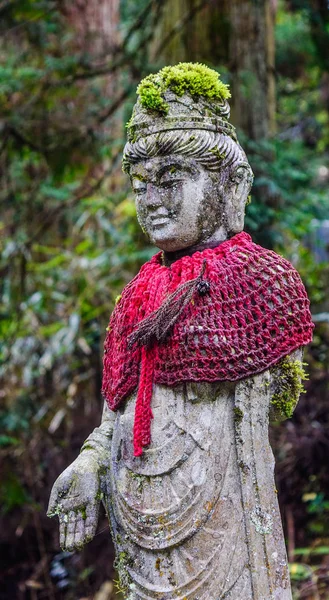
179, 204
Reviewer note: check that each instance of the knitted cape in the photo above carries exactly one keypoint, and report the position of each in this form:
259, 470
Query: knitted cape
221, 314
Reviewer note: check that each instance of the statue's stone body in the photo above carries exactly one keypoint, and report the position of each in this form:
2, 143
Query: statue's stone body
195, 517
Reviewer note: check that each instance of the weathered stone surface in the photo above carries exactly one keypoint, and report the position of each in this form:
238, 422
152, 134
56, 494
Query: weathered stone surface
178, 510
196, 516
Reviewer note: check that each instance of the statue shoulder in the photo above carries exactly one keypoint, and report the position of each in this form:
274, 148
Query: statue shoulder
273, 293
272, 268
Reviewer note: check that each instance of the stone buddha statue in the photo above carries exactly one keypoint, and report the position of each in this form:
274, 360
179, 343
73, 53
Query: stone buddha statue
202, 348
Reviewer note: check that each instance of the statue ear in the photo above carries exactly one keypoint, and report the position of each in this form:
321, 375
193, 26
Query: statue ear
240, 181
236, 194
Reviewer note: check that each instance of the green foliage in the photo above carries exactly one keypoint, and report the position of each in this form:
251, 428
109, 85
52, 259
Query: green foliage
300, 572
294, 45
287, 193
193, 78
317, 551
316, 503
12, 493
8, 440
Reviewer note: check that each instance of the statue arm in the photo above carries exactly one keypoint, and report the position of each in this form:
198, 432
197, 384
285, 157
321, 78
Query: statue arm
77, 492
99, 441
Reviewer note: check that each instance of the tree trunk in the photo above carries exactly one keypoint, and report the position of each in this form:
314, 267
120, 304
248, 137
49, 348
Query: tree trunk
96, 25
238, 34
252, 55
193, 31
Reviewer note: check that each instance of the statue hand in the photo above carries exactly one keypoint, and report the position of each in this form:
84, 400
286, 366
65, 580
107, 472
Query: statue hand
75, 498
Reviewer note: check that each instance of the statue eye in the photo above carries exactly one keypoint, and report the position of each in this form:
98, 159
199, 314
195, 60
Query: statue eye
171, 177
138, 186
168, 184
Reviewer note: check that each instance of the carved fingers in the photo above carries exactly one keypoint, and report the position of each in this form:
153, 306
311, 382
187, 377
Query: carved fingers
69, 530
77, 527
75, 499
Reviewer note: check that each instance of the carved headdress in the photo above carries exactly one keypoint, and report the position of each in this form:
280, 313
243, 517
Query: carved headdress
183, 110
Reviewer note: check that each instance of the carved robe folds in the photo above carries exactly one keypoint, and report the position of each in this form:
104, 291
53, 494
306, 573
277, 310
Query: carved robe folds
198, 497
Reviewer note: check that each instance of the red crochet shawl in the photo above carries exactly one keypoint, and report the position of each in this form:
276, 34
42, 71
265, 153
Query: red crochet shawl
222, 314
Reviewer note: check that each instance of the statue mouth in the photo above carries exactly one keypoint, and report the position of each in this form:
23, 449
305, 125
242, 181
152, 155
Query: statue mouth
159, 220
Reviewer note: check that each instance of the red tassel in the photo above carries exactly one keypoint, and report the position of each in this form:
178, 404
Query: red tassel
143, 411
158, 325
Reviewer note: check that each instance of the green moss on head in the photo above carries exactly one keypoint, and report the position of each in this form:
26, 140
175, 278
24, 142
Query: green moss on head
287, 377
149, 91
193, 78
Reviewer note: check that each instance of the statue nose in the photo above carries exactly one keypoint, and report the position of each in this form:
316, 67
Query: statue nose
153, 197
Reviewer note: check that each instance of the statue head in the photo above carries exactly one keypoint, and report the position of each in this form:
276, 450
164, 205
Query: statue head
189, 173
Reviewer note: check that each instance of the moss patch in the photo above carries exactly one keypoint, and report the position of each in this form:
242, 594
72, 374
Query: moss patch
121, 562
218, 154
238, 414
288, 376
193, 78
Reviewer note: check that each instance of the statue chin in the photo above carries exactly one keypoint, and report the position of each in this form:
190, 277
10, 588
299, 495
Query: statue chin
179, 246
170, 245
169, 242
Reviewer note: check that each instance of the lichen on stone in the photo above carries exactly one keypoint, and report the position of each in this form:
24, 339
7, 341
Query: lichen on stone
287, 378
244, 467
262, 520
121, 563
193, 78
238, 415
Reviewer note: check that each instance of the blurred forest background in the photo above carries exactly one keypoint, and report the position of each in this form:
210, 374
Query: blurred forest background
70, 242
